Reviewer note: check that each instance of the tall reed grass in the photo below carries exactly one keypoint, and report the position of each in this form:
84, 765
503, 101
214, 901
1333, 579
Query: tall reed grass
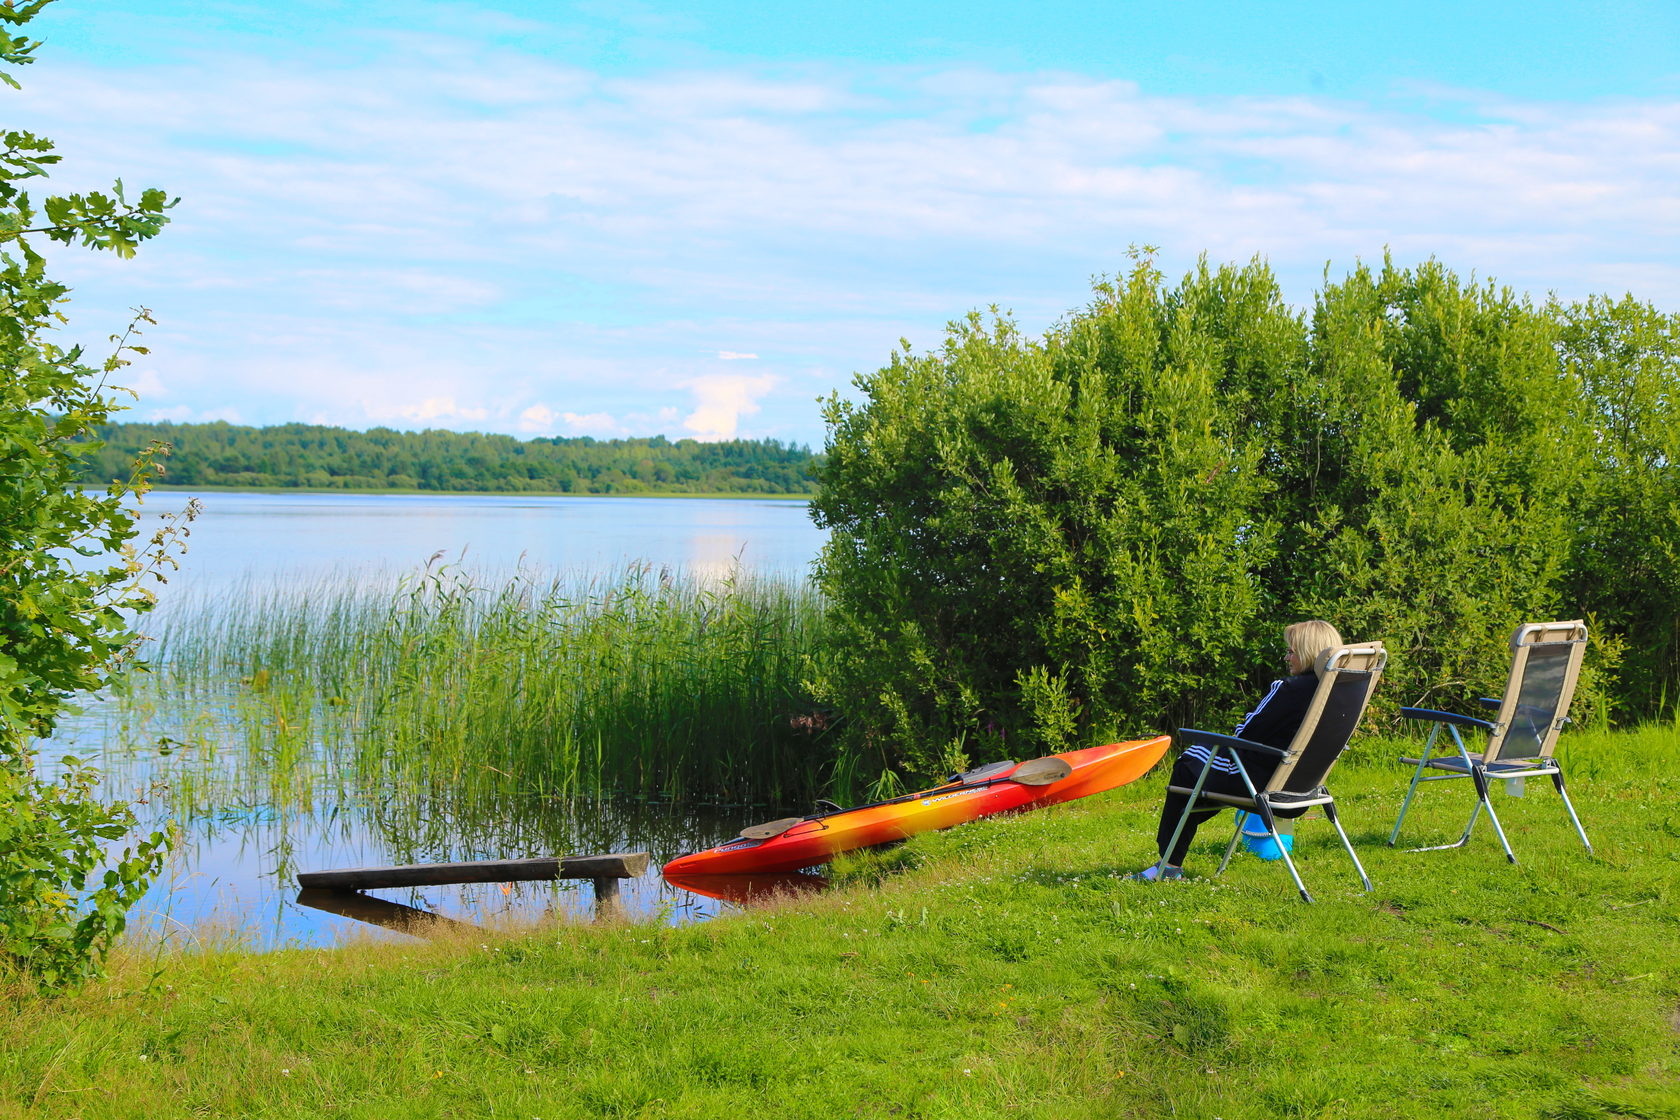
456, 685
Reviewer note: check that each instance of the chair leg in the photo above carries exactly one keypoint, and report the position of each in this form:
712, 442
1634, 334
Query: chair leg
1178, 829
1557, 781
1231, 848
1265, 813
1290, 863
1464, 837
1417, 777
1482, 792
1330, 811
1479, 778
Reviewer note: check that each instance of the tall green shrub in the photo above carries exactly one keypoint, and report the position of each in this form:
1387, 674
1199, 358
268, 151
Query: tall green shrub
1039, 541
1430, 471
1625, 559
1034, 542
68, 569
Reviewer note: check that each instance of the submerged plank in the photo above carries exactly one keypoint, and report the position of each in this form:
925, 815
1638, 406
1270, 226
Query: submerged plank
380, 912
624, 865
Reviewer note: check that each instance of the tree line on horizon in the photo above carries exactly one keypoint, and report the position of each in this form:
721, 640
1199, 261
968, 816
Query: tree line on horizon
318, 457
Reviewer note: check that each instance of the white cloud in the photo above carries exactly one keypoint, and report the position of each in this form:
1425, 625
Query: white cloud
540, 419
721, 401
591, 424
186, 414
143, 383
423, 411
451, 242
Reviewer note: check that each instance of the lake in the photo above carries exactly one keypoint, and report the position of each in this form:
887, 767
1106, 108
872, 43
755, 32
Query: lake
302, 536
232, 873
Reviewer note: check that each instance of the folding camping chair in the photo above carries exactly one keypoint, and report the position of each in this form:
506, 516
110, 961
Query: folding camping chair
1545, 660
1347, 675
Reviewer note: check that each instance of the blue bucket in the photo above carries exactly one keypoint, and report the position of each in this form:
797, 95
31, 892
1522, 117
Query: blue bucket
1257, 840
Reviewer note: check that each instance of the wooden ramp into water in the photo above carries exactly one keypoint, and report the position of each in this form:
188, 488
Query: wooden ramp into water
604, 870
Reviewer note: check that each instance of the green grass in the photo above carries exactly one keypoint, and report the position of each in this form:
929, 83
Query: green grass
1000, 969
523, 687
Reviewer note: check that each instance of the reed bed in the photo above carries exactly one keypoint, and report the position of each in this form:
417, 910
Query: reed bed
457, 686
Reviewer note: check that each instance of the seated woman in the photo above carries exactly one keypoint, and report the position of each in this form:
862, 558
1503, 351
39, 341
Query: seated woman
1273, 721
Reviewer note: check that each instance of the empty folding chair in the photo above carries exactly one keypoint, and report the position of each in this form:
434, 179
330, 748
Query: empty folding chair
1347, 675
1545, 660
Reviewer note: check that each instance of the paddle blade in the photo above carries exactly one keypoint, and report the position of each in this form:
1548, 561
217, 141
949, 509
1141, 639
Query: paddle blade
1041, 771
770, 828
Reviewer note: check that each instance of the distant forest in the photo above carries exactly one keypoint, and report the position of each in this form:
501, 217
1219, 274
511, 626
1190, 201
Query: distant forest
313, 457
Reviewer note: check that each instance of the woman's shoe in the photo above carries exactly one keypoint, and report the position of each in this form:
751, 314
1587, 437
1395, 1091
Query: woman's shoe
1155, 873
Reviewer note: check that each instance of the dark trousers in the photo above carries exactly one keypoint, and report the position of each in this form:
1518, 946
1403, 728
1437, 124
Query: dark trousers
1184, 773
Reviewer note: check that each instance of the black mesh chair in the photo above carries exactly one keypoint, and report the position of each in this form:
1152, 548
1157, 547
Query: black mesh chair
1545, 661
1347, 675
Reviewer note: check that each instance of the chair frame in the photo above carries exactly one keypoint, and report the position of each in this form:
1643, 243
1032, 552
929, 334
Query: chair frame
1488, 765
1367, 659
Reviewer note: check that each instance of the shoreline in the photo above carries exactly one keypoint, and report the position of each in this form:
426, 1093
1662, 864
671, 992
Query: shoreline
175, 488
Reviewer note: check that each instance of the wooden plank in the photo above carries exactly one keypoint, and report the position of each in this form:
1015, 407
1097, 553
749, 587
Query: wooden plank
381, 912
624, 865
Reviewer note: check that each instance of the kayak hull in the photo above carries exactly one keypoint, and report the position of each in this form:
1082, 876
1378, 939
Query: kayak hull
817, 839
750, 889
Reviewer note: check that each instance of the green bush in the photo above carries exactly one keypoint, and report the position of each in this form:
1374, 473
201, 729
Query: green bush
70, 577
1035, 542
1431, 506
1625, 563
52, 838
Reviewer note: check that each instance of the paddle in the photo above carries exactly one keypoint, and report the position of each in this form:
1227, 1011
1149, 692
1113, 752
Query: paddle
1035, 772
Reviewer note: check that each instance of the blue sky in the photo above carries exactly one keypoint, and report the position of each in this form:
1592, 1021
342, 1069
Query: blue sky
696, 219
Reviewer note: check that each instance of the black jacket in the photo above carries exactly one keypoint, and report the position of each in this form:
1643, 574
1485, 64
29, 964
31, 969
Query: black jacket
1278, 716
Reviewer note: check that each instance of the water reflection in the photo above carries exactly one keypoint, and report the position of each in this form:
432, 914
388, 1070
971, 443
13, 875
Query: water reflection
751, 890
249, 825
382, 913
305, 536
255, 810
239, 870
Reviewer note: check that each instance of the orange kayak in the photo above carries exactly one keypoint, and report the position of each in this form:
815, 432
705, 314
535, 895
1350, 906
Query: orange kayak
805, 842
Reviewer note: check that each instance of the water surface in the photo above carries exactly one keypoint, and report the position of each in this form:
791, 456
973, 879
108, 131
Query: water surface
233, 872
266, 536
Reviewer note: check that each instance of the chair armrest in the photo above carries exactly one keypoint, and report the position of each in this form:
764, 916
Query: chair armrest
1215, 739
1490, 701
1447, 717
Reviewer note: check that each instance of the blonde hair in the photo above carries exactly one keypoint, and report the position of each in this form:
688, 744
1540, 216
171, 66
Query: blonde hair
1307, 640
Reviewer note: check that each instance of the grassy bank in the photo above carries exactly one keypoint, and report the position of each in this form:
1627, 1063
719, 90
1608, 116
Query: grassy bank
1000, 969
452, 685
